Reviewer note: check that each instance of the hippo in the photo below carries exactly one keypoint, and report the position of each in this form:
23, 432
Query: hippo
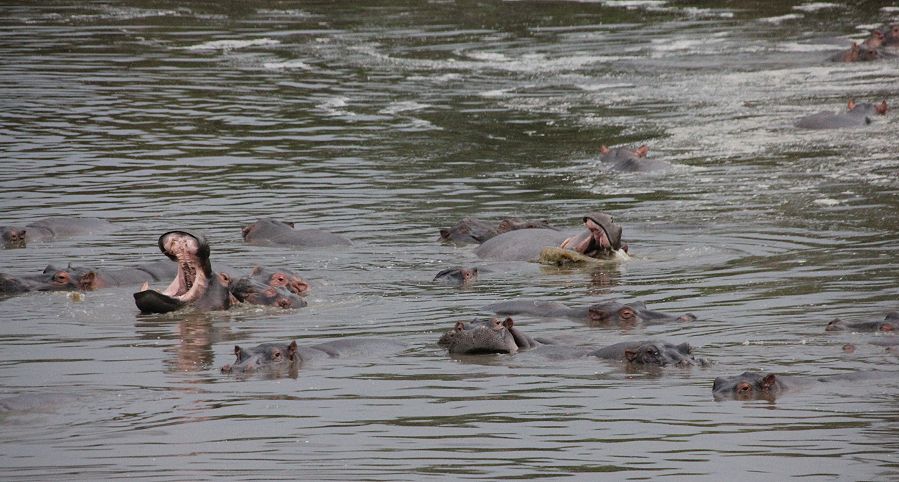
768, 386
281, 278
290, 355
601, 239
891, 35
270, 232
248, 290
476, 231
890, 324
607, 313
857, 115
875, 41
32, 402
626, 160
500, 336
48, 229
195, 283
856, 53
458, 276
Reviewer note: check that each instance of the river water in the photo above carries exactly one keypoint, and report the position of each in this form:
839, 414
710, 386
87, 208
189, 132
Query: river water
385, 121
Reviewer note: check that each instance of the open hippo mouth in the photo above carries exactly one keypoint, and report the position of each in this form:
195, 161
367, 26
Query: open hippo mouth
603, 236
191, 252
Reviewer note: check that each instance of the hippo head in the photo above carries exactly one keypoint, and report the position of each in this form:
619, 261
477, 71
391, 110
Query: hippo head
194, 278
512, 224
614, 312
281, 278
263, 226
481, 336
58, 279
663, 354
12, 237
468, 230
459, 276
247, 290
266, 355
747, 386
875, 40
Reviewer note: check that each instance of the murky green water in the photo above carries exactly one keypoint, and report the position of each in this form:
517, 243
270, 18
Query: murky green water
387, 121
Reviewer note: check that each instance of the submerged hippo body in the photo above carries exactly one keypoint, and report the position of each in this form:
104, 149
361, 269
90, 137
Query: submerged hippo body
291, 356
270, 232
865, 52
458, 276
768, 386
48, 229
195, 283
857, 115
601, 239
626, 160
500, 336
608, 313
890, 323
476, 231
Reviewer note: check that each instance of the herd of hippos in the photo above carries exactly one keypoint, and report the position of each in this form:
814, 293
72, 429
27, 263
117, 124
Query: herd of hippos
196, 284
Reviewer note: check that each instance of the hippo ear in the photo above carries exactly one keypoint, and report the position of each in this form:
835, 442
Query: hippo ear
460, 326
851, 104
642, 151
603, 149
685, 348
444, 233
768, 381
237, 351
50, 269
718, 383
292, 350
256, 270
508, 322
246, 230
289, 223
881, 108
630, 354
225, 278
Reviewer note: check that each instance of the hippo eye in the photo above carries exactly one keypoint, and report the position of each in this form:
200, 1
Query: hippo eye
626, 313
61, 277
744, 388
276, 355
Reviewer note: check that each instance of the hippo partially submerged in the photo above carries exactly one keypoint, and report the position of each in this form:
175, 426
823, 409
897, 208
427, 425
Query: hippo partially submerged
626, 160
500, 336
291, 356
889, 324
857, 115
607, 313
79, 278
195, 283
474, 230
768, 386
458, 276
48, 229
601, 239
271, 232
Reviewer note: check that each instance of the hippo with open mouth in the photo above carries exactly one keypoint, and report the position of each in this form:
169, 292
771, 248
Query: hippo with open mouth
601, 239
194, 285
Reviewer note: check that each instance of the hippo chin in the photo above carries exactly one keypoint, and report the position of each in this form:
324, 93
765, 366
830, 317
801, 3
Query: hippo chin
500, 336
195, 283
601, 239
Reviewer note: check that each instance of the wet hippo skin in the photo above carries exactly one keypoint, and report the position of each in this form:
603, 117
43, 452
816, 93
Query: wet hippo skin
607, 313
600, 239
291, 355
270, 232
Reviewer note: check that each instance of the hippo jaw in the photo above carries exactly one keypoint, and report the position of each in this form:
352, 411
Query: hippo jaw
193, 279
602, 239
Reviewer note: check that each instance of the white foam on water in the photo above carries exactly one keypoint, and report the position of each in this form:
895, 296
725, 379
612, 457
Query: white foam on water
283, 13
782, 18
407, 106
232, 44
634, 4
708, 12
601, 87
814, 7
287, 65
334, 106
827, 202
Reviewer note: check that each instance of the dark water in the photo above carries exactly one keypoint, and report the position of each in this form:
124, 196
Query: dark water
386, 121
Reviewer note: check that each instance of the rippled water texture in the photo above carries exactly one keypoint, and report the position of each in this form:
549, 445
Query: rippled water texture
387, 121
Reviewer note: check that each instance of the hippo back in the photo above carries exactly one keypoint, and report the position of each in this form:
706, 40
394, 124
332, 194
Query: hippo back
519, 245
